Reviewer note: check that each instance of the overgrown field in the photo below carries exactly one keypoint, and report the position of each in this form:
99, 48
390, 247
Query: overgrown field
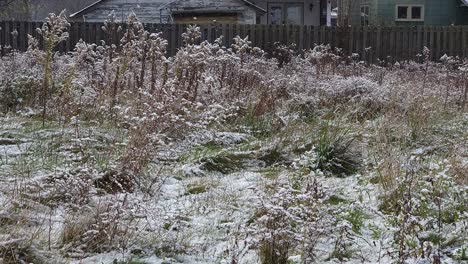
117, 154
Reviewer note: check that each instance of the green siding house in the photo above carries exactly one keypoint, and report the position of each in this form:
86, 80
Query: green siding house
403, 12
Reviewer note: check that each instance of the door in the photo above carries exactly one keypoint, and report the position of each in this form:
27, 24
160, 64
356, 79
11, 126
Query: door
286, 13
275, 14
294, 14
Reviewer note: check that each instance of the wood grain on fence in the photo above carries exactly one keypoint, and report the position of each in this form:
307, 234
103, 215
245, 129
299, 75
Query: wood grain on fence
371, 43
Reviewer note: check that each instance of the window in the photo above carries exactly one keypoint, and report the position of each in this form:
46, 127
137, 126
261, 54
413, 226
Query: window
285, 13
364, 15
416, 12
409, 13
402, 12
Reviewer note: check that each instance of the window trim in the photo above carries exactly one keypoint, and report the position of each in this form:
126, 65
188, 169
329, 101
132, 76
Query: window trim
409, 13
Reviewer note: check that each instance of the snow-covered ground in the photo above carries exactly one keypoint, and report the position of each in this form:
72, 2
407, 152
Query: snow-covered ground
230, 155
192, 214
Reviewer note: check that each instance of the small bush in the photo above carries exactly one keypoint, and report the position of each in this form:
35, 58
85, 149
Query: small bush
272, 156
21, 92
336, 153
259, 126
275, 251
113, 181
283, 53
422, 208
97, 228
21, 250
287, 221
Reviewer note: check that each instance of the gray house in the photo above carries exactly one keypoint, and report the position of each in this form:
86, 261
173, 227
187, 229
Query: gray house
37, 10
298, 12
173, 11
403, 12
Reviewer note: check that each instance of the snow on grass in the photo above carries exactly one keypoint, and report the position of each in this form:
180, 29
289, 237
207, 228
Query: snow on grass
225, 155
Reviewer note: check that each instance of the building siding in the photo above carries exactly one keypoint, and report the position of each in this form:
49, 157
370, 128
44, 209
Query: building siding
461, 13
311, 17
158, 11
350, 11
436, 12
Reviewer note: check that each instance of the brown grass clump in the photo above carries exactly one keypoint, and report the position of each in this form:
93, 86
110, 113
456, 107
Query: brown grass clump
459, 170
95, 229
21, 250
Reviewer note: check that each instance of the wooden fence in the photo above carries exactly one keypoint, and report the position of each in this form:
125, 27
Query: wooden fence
398, 43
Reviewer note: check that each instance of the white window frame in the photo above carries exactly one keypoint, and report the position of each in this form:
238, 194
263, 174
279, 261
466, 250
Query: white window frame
409, 13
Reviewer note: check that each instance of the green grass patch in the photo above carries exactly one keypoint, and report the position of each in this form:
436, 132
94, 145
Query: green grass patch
196, 189
271, 173
336, 200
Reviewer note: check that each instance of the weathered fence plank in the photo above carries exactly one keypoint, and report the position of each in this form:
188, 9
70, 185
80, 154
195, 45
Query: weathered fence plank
397, 43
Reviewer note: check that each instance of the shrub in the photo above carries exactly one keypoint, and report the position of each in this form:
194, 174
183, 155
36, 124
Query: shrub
335, 151
423, 208
20, 92
53, 32
21, 250
99, 227
73, 187
283, 53
287, 222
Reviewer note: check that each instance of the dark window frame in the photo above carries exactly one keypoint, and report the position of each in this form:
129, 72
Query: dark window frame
409, 13
365, 12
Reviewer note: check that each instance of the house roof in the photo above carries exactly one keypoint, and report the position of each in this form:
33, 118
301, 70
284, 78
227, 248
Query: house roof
254, 5
84, 10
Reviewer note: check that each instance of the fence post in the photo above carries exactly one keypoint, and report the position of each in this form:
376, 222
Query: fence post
267, 34
407, 41
419, 38
351, 41
378, 42
306, 37
281, 30
173, 38
452, 37
465, 41
257, 32
364, 44
2, 37
439, 43
22, 36
398, 44
408, 38
6, 31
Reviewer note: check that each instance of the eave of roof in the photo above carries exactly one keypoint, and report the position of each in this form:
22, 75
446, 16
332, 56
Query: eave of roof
85, 9
204, 11
247, 2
